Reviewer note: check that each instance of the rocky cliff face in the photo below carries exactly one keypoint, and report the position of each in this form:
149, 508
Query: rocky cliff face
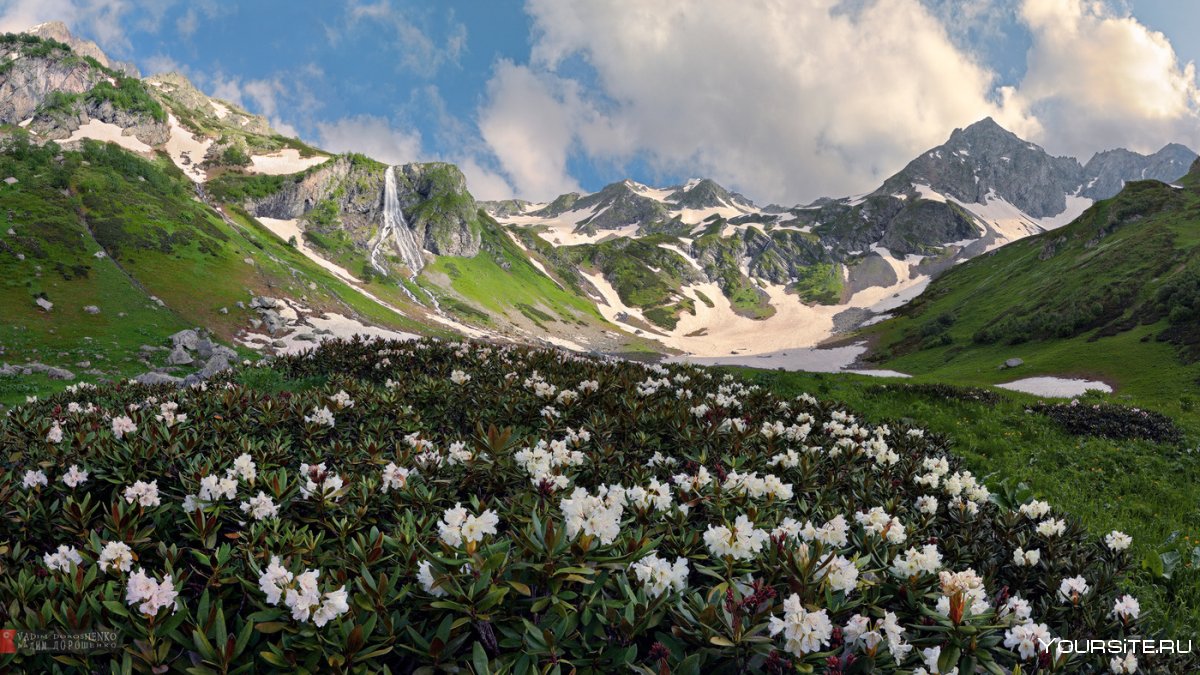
348, 193
46, 85
32, 71
57, 30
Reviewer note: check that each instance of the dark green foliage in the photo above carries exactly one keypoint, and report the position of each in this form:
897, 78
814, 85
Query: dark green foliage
943, 392
128, 94
1109, 420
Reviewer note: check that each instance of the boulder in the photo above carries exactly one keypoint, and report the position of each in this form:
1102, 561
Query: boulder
217, 364
204, 347
188, 339
91, 309
179, 356
44, 304
153, 378
1013, 363
264, 303
273, 321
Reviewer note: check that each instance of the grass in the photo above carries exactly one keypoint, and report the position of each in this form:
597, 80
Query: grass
1144, 489
820, 284
484, 283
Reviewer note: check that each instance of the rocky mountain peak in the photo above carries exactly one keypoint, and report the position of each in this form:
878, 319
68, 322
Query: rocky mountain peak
706, 193
1107, 172
58, 31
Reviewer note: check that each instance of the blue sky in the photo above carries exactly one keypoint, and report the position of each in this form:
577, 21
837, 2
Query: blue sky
784, 101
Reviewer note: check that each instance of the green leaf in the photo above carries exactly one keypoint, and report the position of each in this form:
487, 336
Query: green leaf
479, 659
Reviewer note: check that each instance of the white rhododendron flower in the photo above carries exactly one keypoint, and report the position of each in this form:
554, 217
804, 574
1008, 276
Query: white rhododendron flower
1123, 664
342, 401
1015, 610
74, 477
842, 574
123, 425
56, 433
860, 630
1070, 590
913, 562
145, 494
459, 525
1127, 608
459, 377
596, 515
659, 575
245, 468
150, 595
62, 559
35, 478
319, 481
1023, 558
260, 507
741, 542
425, 577
301, 594
1117, 540
1027, 639
1051, 527
927, 504
803, 631
395, 477
115, 557
1035, 509
322, 416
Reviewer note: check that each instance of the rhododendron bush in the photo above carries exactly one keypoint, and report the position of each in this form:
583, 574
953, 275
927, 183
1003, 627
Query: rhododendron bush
398, 506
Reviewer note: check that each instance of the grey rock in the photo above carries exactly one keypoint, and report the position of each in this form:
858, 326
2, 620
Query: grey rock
305, 337
256, 324
273, 321
11, 180
91, 309
204, 347
154, 378
187, 338
264, 303
1013, 363
279, 344
179, 356
224, 310
217, 364
44, 304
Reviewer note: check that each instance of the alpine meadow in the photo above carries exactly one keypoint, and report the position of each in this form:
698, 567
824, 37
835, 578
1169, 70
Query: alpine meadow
403, 338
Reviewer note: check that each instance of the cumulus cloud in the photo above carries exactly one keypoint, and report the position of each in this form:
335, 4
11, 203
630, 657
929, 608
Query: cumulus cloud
788, 101
781, 100
372, 136
1096, 79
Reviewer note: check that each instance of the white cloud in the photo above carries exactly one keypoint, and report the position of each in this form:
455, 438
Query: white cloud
782, 100
1096, 79
372, 136
530, 127
787, 101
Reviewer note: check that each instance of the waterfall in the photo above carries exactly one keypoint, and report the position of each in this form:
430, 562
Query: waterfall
395, 229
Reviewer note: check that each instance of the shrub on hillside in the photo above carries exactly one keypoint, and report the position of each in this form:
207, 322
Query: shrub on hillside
1109, 420
944, 392
468, 506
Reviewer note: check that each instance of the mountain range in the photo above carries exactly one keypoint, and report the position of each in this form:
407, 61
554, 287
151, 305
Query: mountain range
138, 208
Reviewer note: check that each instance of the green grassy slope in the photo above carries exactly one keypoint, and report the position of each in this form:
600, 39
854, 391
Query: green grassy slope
1112, 296
157, 240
